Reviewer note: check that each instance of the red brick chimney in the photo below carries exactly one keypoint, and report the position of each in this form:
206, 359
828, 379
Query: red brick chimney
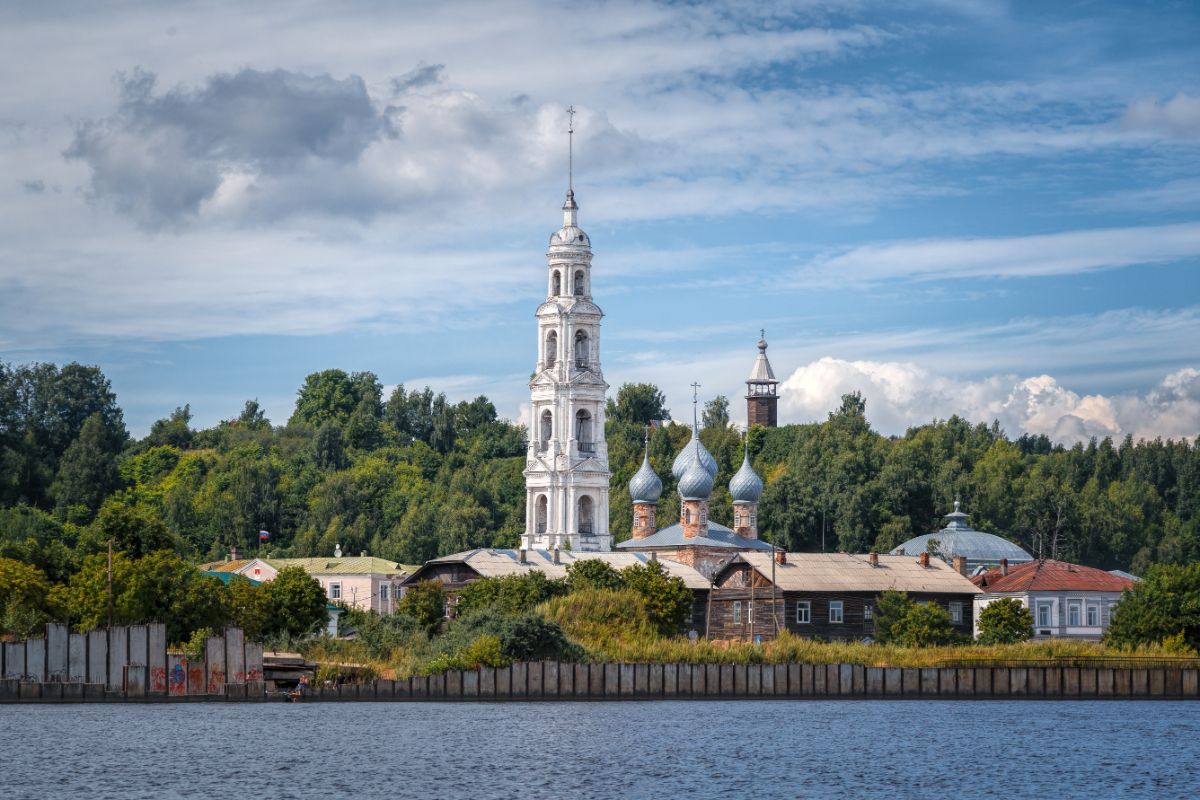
873, 557
780, 556
925, 560
960, 565
1004, 566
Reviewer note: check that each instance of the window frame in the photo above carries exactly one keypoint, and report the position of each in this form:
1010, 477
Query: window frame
840, 607
1075, 604
806, 607
737, 612
335, 590
868, 612
1048, 607
956, 612
1092, 607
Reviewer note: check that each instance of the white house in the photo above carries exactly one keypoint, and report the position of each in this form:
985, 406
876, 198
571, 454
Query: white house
1067, 600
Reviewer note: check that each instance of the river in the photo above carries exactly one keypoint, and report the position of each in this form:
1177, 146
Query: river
668, 749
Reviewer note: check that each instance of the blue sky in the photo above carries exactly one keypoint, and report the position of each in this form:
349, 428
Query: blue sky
982, 208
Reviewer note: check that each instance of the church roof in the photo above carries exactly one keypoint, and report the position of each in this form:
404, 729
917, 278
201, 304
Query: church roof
762, 372
645, 486
718, 536
746, 486
960, 539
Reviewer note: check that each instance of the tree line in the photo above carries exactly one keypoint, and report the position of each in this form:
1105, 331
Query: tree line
412, 476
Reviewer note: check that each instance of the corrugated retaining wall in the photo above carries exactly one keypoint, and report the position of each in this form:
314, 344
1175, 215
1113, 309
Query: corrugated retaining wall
127, 663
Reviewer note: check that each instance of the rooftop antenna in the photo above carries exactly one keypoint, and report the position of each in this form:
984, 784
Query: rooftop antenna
571, 150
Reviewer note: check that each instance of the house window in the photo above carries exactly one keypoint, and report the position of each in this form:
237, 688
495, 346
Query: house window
1075, 613
703, 516
1043, 615
737, 612
384, 591
1093, 614
335, 591
750, 613
803, 612
956, 613
835, 611
867, 612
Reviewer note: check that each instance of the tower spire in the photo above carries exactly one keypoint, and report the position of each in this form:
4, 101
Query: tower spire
571, 151
695, 402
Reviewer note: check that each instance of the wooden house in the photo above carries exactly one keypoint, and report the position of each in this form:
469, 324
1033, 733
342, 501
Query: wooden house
827, 595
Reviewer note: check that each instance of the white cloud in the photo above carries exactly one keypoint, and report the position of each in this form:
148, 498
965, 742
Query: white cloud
1007, 257
903, 394
1178, 117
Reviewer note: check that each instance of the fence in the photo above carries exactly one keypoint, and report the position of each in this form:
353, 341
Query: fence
127, 663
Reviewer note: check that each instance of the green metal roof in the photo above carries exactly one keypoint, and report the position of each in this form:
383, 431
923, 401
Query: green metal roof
347, 565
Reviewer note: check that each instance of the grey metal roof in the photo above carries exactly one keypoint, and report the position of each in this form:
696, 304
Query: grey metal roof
645, 486
718, 536
762, 372
960, 539
833, 572
491, 563
746, 486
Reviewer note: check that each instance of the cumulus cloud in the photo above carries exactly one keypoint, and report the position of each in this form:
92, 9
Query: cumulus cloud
422, 75
903, 394
161, 156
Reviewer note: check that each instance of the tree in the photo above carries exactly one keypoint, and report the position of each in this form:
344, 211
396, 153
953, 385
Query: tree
24, 597
638, 403
297, 602
329, 448
174, 431
1164, 604
253, 417
132, 530
592, 573
1005, 621
424, 601
890, 609
512, 594
250, 606
716, 412
925, 625
88, 470
332, 396
668, 600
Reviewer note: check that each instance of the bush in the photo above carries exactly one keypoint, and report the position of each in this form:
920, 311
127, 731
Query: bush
596, 616
424, 601
891, 608
668, 600
380, 636
1005, 621
512, 594
297, 602
1164, 604
592, 573
925, 625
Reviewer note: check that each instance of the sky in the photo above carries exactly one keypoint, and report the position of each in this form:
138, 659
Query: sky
989, 209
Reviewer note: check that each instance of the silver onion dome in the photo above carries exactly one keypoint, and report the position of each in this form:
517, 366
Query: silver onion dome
746, 486
645, 486
696, 482
691, 451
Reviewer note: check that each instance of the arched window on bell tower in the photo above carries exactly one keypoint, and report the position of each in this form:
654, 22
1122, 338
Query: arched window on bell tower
581, 350
542, 513
583, 431
551, 349
586, 515
556, 283
547, 430
580, 289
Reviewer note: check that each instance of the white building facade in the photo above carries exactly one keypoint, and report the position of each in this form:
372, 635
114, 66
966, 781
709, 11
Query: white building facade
566, 468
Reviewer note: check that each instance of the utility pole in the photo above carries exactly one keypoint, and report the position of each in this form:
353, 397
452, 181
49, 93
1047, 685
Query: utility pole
110, 581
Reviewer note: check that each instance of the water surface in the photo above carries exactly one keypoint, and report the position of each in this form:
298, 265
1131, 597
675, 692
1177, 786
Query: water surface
670, 749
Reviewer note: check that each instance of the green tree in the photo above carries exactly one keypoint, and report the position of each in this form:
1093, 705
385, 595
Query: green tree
1005, 621
1165, 603
332, 396
174, 431
890, 609
134, 531
511, 594
250, 607
716, 412
925, 625
329, 448
297, 602
638, 403
88, 469
424, 601
592, 573
668, 600
24, 597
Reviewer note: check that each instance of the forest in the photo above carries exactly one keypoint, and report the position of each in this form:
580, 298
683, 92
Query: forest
411, 476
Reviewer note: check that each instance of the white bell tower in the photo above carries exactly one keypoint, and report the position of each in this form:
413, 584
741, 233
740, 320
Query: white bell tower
566, 469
